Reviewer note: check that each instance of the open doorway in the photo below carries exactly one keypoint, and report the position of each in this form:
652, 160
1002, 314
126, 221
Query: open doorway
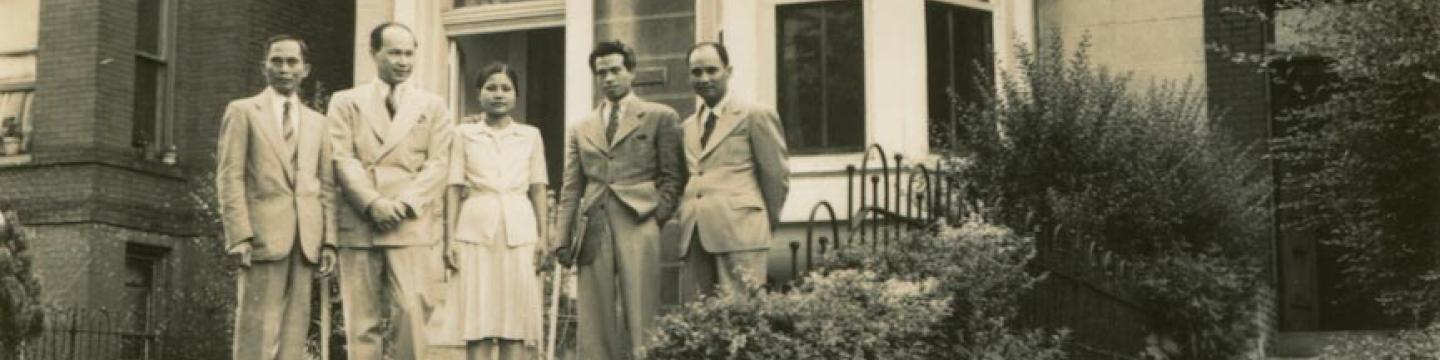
538, 57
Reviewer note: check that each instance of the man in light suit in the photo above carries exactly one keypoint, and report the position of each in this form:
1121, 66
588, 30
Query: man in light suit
390, 158
622, 175
735, 153
276, 193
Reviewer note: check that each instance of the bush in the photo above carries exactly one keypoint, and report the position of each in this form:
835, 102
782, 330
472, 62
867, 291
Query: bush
1403, 345
950, 295
1069, 145
1362, 152
21, 311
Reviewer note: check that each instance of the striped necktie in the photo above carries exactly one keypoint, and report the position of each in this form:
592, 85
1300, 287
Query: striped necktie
288, 126
709, 128
612, 124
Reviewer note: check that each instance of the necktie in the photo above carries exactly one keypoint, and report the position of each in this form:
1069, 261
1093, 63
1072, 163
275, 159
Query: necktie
390, 101
709, 128
288, 126
612, 124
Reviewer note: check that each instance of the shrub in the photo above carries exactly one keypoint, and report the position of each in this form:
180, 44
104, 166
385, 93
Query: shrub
1402, 345
1069, 145
1362, 152
21, 314
950, 295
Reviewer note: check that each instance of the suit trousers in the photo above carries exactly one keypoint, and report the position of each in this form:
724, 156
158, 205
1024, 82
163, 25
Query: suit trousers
626, 269
272, 314
716, 271
372, 279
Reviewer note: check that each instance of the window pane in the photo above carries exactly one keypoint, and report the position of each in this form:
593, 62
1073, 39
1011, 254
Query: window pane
464, 3
16, 105
822, 76
149, 18
147, 100
960, 60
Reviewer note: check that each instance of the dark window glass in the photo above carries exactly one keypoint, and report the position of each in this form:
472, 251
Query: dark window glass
821, 59
960, 60
149, 18
148, 77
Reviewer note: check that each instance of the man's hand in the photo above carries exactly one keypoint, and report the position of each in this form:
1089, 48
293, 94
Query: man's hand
452, 259
564, 255
386, 214
327, 261
242, 252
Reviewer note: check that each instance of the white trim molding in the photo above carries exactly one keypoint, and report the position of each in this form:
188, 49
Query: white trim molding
523, 15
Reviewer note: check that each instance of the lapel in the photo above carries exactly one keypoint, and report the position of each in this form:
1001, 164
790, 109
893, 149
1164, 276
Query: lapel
729, 118
628, 122
594, 131
692, 135
407, 112
270, 132
372, 110
312, 129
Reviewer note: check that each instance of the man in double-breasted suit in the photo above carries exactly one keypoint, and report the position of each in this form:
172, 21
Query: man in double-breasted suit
276, 195
738, 179
622, 175
391, 141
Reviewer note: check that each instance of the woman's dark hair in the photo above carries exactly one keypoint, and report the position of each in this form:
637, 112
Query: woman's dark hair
498, 68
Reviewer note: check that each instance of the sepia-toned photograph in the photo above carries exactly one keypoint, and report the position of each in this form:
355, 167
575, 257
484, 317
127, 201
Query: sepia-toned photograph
719, 179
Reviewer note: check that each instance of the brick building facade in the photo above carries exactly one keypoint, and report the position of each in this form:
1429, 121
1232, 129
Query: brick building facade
127, 99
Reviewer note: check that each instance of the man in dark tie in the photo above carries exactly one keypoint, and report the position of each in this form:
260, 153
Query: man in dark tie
738, 179
623, 173
391, 140
276, 194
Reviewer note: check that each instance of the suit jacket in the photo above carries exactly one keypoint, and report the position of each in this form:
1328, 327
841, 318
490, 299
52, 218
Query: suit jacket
641, 166
738, 182
263, 197
377, 157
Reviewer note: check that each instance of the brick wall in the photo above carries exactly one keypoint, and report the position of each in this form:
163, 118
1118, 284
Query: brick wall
87, 194
1237, 92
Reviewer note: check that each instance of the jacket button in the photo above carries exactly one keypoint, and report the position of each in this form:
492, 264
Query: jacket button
699, 196
702, 173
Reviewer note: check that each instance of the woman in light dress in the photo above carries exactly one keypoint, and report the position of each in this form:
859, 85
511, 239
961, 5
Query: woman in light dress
497, 178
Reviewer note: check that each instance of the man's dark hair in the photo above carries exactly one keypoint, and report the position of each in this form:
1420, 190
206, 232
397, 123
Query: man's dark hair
304, 48
376, 41
498, 68
613, 47
719, 49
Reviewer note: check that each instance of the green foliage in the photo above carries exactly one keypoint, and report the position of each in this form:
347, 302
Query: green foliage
1362, 155
1209, 304
21, 310
1068, 145
950, 295
1422, 344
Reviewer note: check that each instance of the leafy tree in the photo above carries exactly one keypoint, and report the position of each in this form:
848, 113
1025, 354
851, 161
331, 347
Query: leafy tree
21, 315
1361, 153
1066, 144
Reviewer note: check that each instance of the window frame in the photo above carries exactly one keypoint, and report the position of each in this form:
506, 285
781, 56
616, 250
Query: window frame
164, 128
825, 110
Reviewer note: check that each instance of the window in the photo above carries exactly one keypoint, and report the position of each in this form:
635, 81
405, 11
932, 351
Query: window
143, 264
821, 67
17, 77
960, 60
150, 121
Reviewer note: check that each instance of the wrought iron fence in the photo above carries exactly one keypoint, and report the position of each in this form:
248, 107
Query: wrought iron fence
1083, 292
80, 333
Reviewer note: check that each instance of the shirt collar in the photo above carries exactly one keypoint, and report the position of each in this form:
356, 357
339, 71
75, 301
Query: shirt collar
279, 100
624, 102
485, 128
719, 105
384, 88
